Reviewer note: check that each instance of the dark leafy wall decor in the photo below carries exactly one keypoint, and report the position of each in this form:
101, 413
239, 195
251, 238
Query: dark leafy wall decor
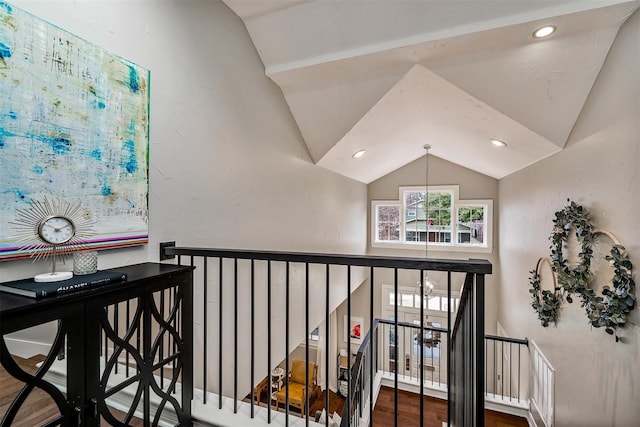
545, 302
609, 310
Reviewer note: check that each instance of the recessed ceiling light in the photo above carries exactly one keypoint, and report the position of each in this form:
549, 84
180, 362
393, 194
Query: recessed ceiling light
545, 31
358, 154
498, 143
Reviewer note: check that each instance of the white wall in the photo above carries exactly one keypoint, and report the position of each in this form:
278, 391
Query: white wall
228, 167
472, 185
597, 380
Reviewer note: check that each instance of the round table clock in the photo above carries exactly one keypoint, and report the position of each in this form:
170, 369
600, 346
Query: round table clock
58, 228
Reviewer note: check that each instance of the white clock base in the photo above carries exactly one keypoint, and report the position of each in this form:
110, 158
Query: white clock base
53, 277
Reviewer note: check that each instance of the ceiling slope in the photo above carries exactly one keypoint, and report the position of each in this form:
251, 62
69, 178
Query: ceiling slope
388, 77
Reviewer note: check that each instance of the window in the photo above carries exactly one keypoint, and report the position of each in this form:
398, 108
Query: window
387, 222
410, 299
433, 215
314, 335
471, 224
447, 222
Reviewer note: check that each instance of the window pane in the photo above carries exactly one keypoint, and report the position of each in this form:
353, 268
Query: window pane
434, 303
414, 221
392, 298
407, 300
440, 212
315, 335
388, 223
438, 219
471, 223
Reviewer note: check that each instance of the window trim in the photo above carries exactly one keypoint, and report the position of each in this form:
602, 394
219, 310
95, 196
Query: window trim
374, 218
453, 246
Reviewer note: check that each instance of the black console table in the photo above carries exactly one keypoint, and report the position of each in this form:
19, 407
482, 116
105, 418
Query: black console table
133, 338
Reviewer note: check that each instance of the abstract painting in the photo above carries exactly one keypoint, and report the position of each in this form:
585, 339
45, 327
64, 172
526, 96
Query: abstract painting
355, 330
74, 125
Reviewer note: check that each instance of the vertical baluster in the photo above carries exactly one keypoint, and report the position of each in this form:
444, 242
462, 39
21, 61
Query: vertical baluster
205, 324
395, 340
405, 360
502, 368
486, 370
433, 364
252, 335
510, 371
348, 400
449, 350
439, 360
420, 341
386, 364
479, 341
371, 344
220, 352
495, 368
235, 335
326, 340
306, 342
286, 344
269, 341
519, 362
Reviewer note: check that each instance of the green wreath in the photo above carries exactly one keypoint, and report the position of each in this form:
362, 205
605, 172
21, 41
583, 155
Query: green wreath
572, 280
612, 308
546, 303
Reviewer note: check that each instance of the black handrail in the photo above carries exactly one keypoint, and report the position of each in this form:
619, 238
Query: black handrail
523, 341
474, 268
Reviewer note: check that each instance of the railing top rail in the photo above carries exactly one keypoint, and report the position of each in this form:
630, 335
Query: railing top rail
477, 266
522, 341
414, 326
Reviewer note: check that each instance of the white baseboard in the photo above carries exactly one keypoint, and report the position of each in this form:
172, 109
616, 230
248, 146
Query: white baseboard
25, 348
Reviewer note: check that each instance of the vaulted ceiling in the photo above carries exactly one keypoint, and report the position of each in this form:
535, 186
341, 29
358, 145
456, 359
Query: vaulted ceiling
389, 76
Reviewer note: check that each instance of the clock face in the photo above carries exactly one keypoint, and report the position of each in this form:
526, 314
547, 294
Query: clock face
56, 230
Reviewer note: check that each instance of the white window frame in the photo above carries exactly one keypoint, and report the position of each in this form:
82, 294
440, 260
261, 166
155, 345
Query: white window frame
388, 290
374, 218
453, 246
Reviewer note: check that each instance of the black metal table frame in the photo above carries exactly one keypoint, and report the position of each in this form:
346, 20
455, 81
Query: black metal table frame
82, 320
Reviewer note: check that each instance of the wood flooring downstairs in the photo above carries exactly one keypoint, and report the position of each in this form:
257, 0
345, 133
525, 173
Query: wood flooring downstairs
39, 407
435, 412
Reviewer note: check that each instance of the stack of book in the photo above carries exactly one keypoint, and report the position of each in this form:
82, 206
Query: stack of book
33, 289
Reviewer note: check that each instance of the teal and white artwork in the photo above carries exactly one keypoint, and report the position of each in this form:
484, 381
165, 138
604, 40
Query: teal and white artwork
74, 125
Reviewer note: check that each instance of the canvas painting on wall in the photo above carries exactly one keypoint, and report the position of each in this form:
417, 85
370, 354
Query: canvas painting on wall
355, 329
74, 125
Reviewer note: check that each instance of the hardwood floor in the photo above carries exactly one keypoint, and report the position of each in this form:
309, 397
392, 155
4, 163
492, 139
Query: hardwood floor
39, 407
435, 412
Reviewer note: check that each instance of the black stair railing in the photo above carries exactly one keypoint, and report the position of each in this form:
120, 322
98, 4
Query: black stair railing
466, 370
287, 276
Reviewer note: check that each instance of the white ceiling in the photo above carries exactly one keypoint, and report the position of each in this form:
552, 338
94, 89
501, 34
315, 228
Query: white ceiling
390, 76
